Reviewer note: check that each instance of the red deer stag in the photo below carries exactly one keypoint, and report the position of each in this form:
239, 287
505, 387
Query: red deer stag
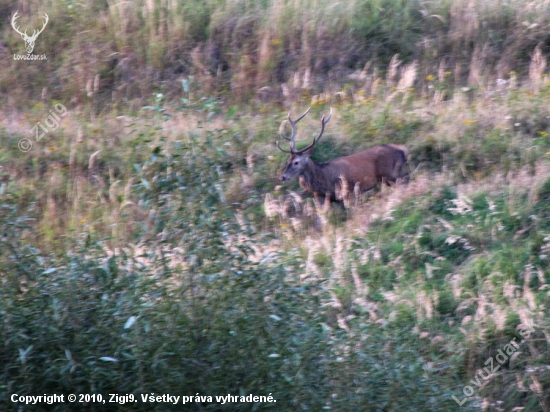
355, 173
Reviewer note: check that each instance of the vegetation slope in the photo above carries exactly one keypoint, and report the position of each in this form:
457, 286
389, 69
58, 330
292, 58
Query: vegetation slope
147, 245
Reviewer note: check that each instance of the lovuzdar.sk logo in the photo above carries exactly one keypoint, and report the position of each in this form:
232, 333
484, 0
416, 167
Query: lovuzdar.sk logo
29, 40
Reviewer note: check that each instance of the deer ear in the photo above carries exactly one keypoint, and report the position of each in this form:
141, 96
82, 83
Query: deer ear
308, 152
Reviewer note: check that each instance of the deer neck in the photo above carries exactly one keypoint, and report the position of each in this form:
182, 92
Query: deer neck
316, 177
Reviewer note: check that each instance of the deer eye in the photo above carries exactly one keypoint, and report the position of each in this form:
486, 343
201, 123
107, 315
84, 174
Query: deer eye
296, 163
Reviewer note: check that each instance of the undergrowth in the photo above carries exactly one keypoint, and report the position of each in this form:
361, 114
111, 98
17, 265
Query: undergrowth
148, 246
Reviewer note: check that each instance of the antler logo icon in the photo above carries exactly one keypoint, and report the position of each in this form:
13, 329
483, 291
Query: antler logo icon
29, 40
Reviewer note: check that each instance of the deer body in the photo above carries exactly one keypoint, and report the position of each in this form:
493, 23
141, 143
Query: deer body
341, 176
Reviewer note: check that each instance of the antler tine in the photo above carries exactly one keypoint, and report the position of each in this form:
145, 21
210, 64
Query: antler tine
283, 150
37, 32
293, 123
289, 138
46, 20
13, 19
299, 118
323, 124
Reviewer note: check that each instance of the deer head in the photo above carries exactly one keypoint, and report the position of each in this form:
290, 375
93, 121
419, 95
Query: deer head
299, 158
29, 40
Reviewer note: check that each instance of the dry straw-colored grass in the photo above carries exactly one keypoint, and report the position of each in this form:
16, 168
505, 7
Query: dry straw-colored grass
536, 68
237, 47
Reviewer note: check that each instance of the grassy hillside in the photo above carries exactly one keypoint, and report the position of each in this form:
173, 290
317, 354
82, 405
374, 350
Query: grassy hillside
147, 245
106, 54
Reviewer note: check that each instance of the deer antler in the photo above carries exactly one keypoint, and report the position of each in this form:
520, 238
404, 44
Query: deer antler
323, 123
35, 32
292, 136
13, 19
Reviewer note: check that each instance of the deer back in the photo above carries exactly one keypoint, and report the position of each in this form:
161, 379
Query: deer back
370, 166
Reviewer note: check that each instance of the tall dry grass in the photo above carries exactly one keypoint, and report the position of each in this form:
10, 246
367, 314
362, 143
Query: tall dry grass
119, 52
